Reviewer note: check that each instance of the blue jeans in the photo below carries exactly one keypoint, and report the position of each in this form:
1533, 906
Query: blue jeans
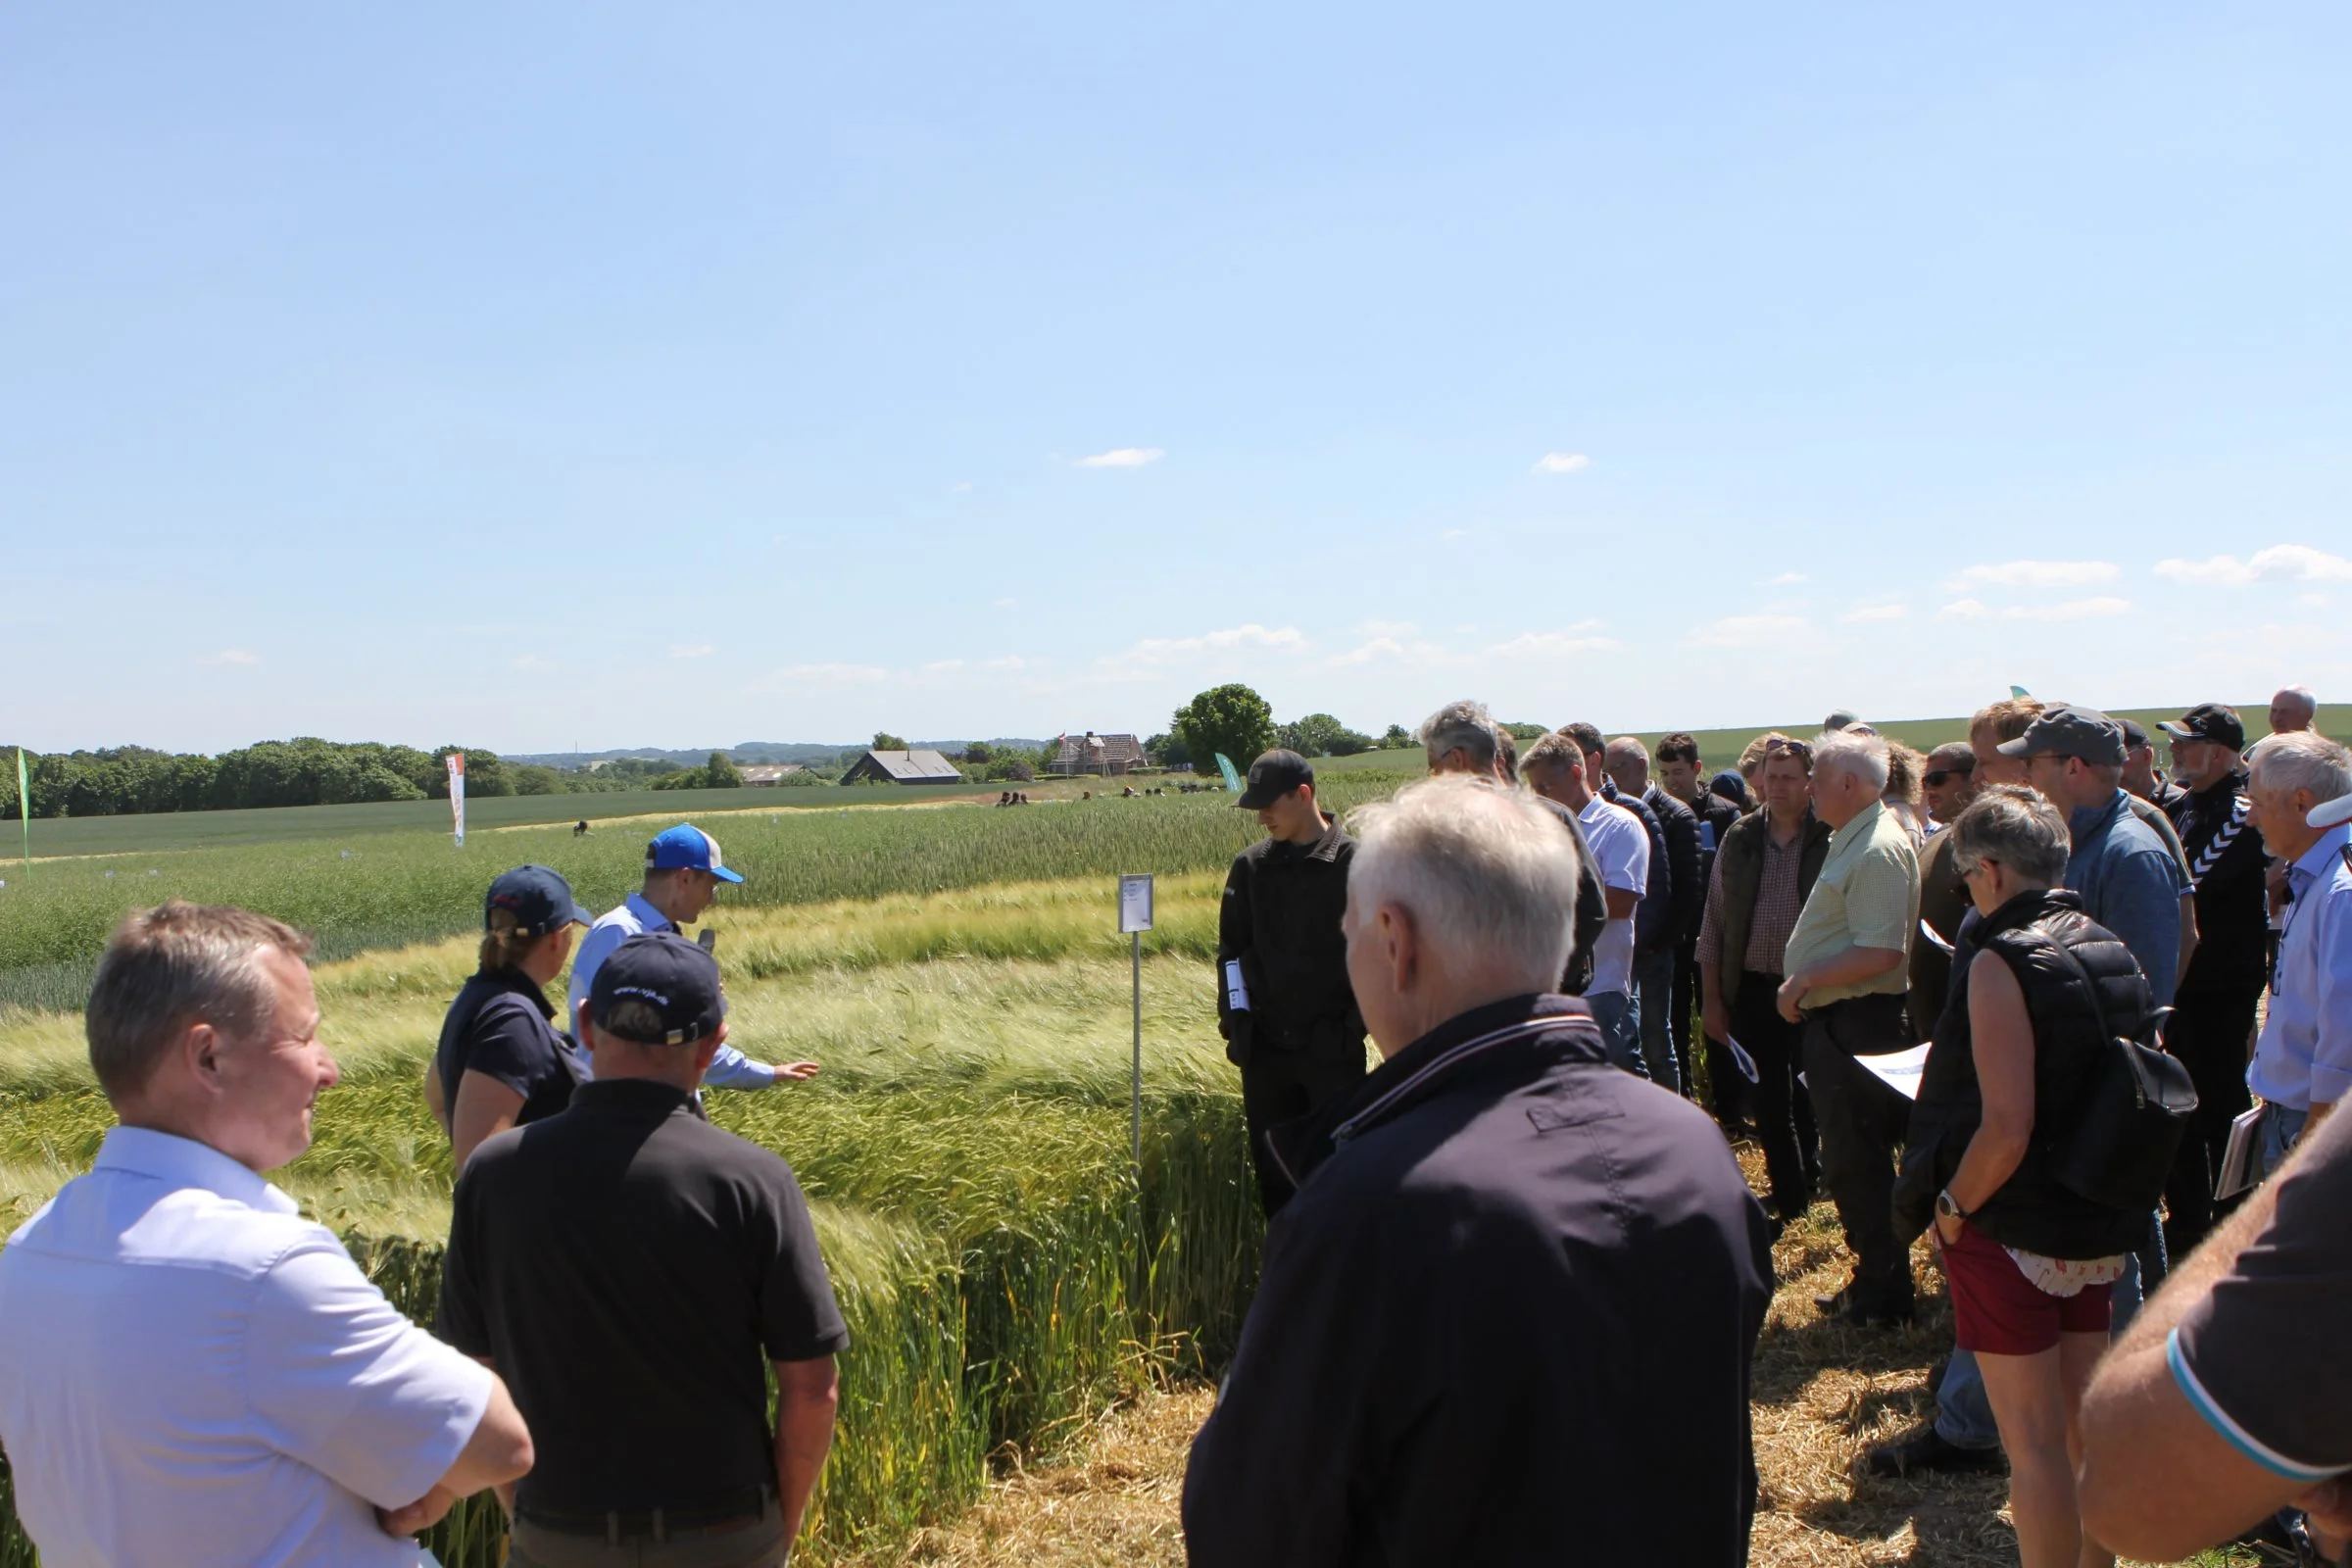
1654, 993
2282, 1125
1619, 1014
1963, 1413
2144, 1270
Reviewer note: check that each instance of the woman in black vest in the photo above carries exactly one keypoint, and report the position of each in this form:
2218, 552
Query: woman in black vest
502, 1063
2015, 1057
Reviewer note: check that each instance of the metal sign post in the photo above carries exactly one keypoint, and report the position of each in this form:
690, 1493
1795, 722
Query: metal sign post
1135, 918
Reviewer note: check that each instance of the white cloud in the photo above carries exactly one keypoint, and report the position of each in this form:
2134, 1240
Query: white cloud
1008, 662
534, 661
1749, 631
1365, 653
1878, 612
2315, 601
2036, 574
940, 666
1456, 533
1007, 602
834, 674
961, 487
1562, 462
230, 656
1551, 645
2065, 609
1122, 457
2278, 563
1787, 579
691, 649
1181, 650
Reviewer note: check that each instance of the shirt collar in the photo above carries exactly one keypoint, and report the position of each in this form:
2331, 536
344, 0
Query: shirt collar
2314, 862
630, 1096
648, 918
522, 984
1860, 827
184, 1162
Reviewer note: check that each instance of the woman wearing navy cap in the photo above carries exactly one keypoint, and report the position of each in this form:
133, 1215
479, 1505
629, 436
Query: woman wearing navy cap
502, 1063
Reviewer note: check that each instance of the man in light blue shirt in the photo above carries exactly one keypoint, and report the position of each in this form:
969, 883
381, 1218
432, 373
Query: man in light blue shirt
2301, 800
683, 869
190, 1372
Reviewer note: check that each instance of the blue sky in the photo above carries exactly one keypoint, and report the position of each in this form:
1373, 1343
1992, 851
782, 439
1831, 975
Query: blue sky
568, 374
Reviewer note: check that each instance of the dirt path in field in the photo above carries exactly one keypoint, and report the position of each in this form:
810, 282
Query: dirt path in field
1824, 1394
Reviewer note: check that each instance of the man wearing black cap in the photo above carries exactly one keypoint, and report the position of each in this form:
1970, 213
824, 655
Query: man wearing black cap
1284, 1003
2142, 776
633, 1272
2213, 1022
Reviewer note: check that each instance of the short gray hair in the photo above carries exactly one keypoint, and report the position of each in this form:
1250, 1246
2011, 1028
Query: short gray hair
174, 966
1486, 873
2303, 760
2301, 694
2014, 825
1861, 753
1464, 727
1625, 755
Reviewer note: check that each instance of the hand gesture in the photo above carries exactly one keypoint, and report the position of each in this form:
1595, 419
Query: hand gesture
794, 1072
412, 1518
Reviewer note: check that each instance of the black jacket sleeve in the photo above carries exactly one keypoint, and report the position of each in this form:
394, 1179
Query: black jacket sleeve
1688, 894
1234, 938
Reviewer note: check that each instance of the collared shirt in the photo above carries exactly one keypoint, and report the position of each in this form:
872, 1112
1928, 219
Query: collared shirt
2131, 884
1867, 896
730, 1069
2304, 1057
1777, 904
1621, 845
632, 1269
191, 1373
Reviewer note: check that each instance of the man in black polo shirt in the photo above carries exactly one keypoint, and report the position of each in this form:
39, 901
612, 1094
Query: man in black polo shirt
632, 1271
1289, 1020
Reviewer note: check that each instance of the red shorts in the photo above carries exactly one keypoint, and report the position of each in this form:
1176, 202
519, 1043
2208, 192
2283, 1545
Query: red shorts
1997, 1312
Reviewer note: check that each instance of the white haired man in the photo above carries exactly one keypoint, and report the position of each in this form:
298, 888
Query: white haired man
2293, 709
2301, 795
1845, 980
1515, 1299
191, 1372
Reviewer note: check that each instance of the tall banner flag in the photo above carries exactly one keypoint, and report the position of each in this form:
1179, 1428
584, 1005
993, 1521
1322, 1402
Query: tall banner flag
1232, 777
457, 794
25, 809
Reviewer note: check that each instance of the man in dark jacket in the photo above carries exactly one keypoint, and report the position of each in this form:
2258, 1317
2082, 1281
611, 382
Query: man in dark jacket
1683, 775
1510, 1314
1662, 1042
1283, 1003
2212, 1026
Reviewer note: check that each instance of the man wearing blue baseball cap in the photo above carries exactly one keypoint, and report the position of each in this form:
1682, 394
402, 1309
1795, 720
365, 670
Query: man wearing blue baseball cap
683, 870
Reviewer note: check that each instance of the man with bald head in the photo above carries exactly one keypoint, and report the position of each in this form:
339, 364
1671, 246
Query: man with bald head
1684, 896
2293, 709
1510, 1312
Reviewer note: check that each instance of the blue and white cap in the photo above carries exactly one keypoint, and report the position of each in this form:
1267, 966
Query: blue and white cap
687, 849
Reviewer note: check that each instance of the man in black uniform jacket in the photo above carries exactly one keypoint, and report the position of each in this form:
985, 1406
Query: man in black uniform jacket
2213, 1011
1283, 1003
633, 1272
1509, 1315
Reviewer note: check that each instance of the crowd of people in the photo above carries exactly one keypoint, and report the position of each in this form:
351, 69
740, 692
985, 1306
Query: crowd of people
1514, 1274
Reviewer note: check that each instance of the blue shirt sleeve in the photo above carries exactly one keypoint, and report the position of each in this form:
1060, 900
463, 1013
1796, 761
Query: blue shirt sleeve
594, 949
732, 1069
2140, 900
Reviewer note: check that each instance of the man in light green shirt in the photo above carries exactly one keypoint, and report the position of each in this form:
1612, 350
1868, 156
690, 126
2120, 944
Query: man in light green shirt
1847, 968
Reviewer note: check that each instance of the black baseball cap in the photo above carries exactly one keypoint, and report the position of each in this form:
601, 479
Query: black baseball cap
666, 972
2065, 730
2134, 736
2209, 722
1273, 775
540, 900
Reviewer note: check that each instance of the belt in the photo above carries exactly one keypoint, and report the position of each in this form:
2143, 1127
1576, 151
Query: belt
730, 1510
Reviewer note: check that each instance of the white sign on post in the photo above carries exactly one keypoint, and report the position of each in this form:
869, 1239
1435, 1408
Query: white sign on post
457, 794
1135, 905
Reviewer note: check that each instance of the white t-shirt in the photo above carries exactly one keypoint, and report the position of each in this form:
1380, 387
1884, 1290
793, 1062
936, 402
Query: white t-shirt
191, 1373
1621, 845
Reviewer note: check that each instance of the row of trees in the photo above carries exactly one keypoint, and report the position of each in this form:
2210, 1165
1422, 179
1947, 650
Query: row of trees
1235, 720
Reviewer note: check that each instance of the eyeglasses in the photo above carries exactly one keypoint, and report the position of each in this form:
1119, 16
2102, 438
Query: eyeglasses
1969, 868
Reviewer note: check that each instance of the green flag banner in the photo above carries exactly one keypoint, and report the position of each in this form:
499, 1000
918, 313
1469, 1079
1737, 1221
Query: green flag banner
1232, 778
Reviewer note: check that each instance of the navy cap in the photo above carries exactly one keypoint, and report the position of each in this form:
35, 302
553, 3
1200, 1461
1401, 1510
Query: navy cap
1273, 775
540, 900
2065, 730
1731, 786
2209, 722
687, 849
670, 975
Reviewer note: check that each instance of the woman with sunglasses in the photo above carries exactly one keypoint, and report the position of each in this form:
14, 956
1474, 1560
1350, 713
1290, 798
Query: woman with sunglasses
2016, 1055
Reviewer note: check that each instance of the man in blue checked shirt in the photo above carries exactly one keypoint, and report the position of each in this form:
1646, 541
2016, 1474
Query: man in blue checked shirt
683, 870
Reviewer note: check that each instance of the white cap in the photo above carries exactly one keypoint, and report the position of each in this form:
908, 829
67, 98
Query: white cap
2327, 813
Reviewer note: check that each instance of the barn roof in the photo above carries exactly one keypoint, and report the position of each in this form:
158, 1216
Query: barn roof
916, 767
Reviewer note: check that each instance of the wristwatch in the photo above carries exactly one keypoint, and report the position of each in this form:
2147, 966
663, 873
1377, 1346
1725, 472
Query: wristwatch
1947, 1204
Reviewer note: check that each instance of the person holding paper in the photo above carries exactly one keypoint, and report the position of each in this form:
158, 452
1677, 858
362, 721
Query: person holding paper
2016, 1053
1284, 1005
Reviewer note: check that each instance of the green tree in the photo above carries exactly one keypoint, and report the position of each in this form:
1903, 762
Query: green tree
1168, 750
720, 773
1397, 738
980, 754
885, 741
1321, 735
1232, 720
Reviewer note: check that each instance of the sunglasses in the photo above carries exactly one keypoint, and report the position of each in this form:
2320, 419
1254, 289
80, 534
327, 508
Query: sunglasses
1796, 748
1942, 776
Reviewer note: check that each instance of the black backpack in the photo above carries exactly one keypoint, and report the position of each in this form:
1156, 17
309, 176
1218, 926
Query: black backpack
2133, 1118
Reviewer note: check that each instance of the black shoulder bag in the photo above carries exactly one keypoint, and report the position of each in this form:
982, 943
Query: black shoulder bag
2133, 1118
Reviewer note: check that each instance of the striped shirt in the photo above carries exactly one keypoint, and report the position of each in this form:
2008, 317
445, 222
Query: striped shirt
1775, 911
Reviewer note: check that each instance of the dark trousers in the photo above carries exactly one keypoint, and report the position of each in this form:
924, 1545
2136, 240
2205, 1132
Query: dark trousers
1784, 1111
1729, 1097
1862, 1126
1279, 1086
2208, 1033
